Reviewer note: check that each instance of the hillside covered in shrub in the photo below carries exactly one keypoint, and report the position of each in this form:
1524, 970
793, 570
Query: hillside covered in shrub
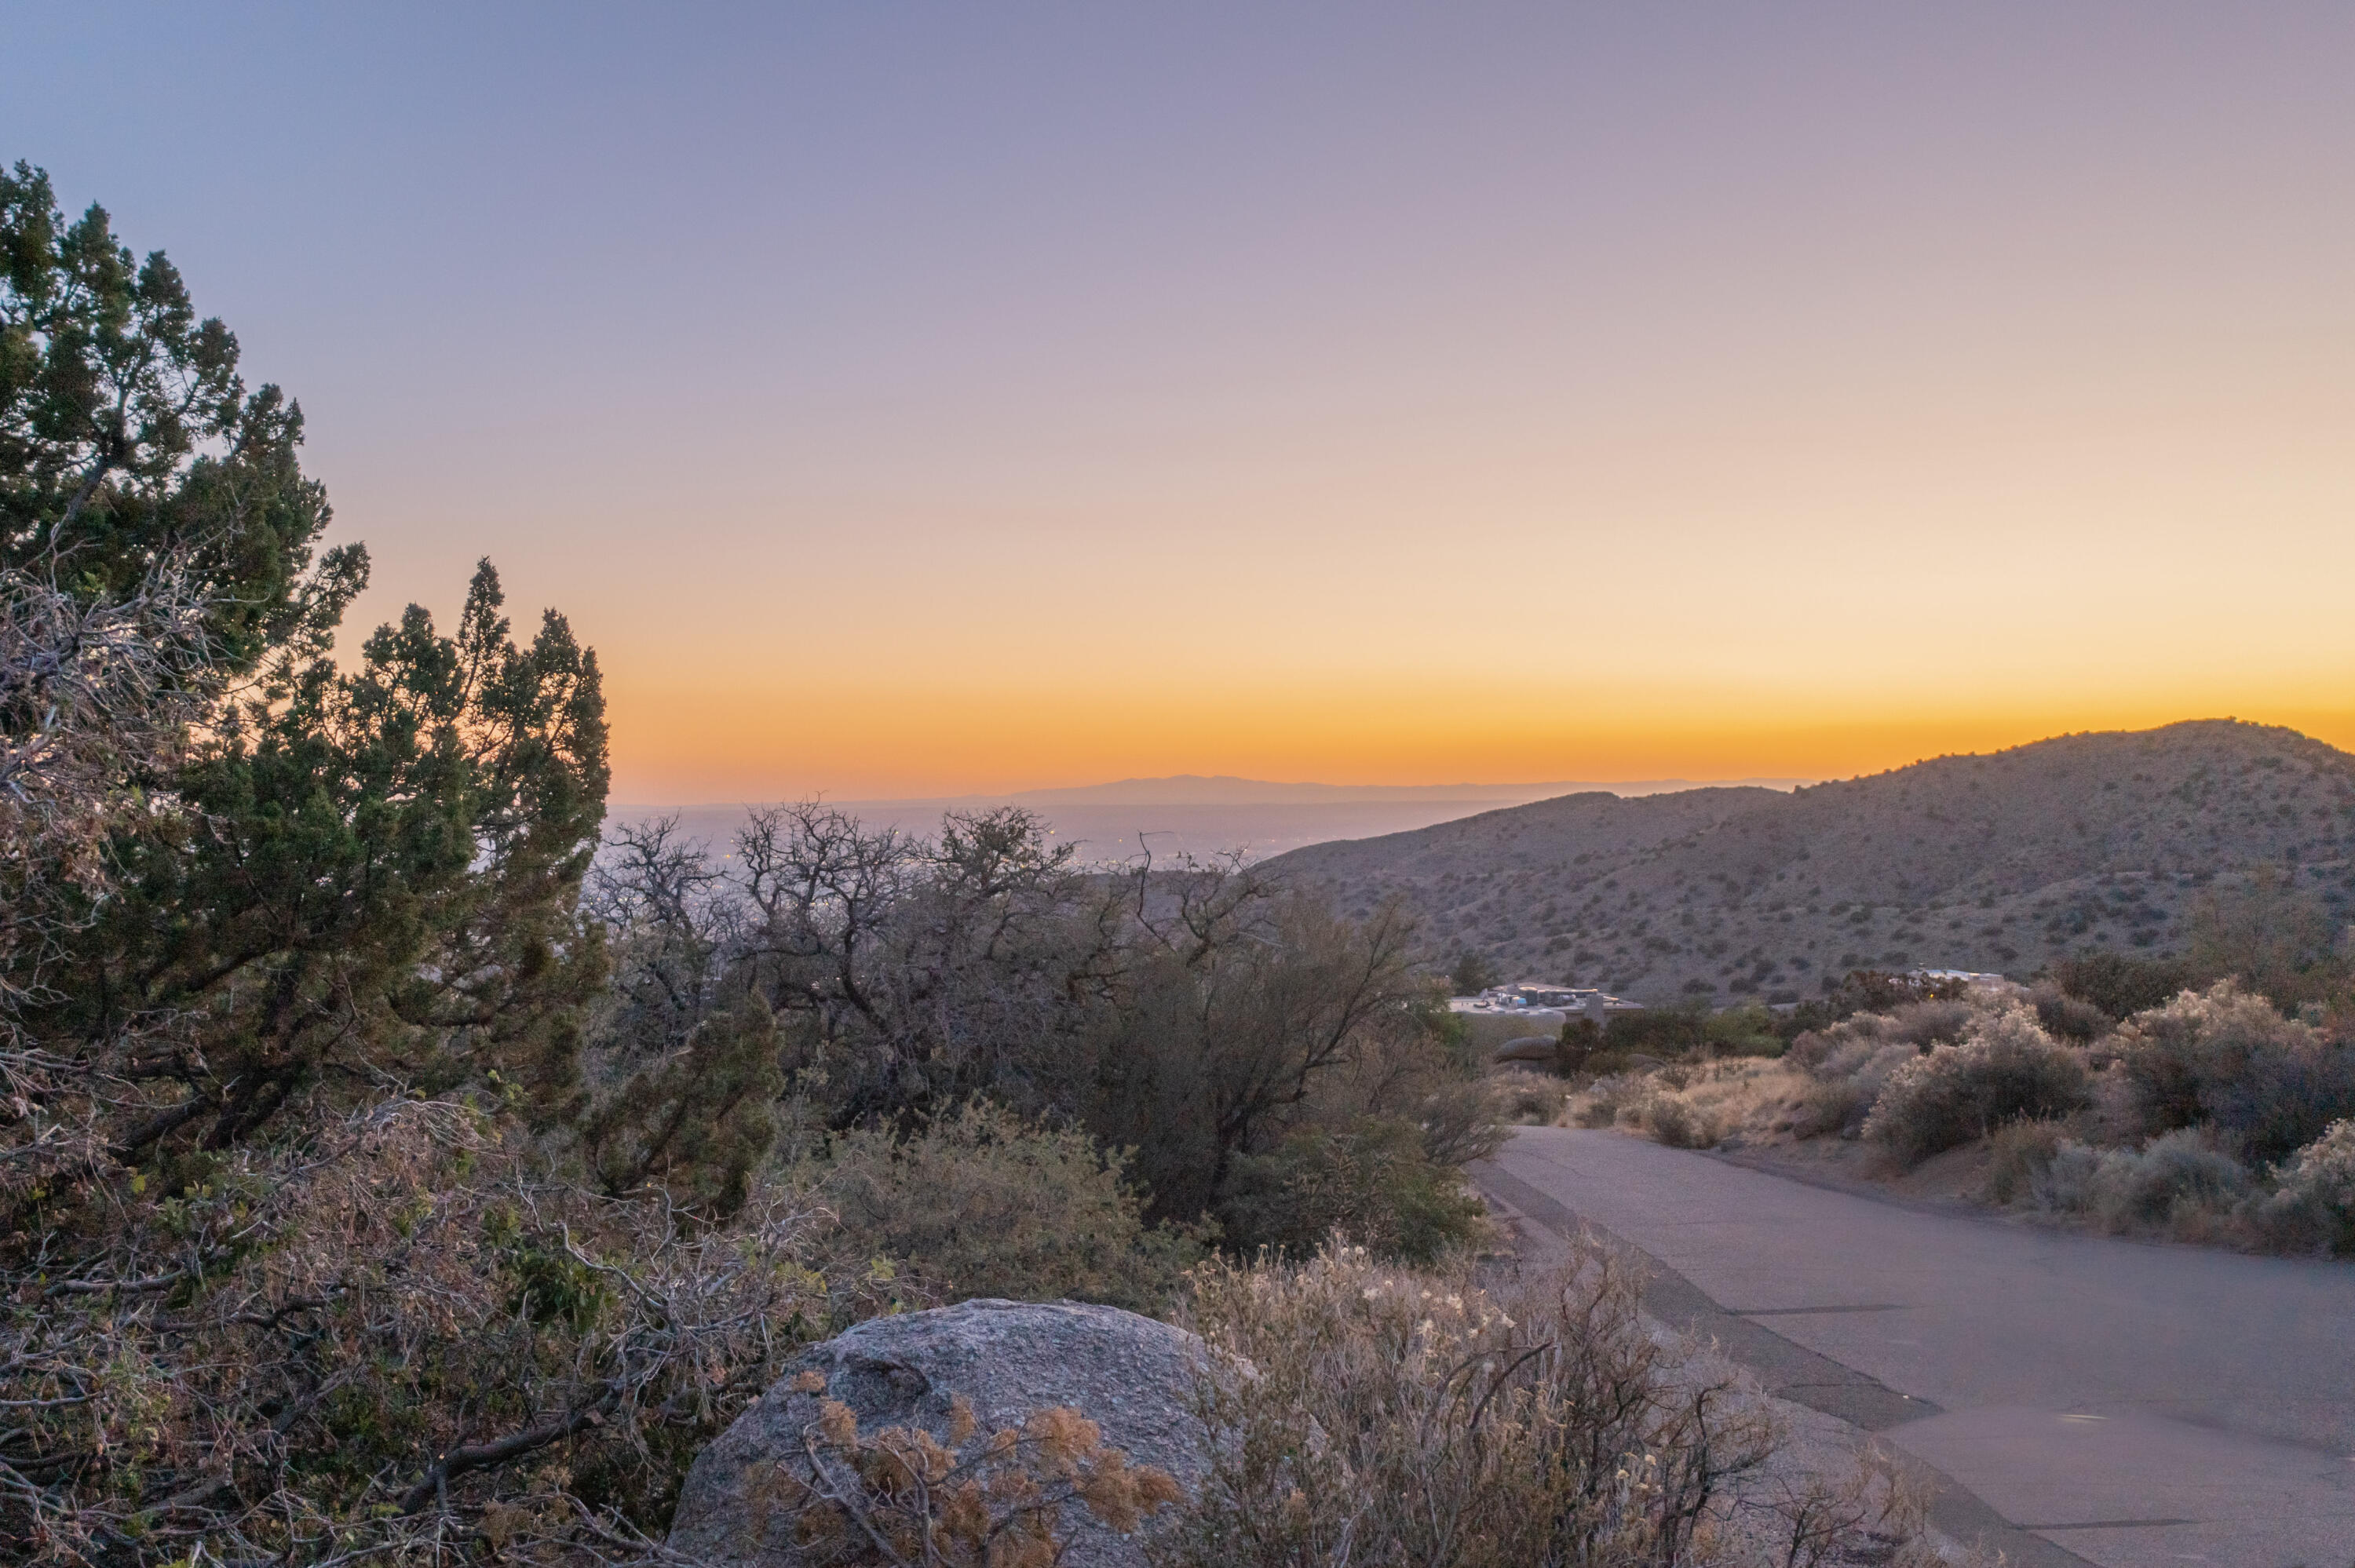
2001, 864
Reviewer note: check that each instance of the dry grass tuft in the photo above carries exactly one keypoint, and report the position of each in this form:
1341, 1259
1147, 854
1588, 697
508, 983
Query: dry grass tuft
1427, 1417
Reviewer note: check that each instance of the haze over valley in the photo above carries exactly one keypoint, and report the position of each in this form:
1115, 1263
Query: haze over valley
1189, 814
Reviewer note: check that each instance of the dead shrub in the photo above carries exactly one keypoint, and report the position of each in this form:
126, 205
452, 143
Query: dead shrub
392, 1339
977, 1501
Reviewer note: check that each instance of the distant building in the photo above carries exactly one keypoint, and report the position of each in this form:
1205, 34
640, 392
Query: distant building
1968, 977
1528, 996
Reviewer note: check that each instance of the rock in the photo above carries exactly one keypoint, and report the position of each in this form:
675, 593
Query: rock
1529, 1048
1134, 1377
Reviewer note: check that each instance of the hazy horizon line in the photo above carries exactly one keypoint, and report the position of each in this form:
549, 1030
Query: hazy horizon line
1330, 794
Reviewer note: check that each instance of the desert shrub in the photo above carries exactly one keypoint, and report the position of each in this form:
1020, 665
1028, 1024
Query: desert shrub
1372, 1182
982, 1203
2271, 935
1677, 1122
1847, 1066
1591, 1112
1832, 1107
382, 1341
2067, 1017
1743, 1032
1617, 1064
1467, 1118
1581, 1038
1473, 973
1865, 991
1531, 1098
2008, 1067
2179, 1182
1422, 1418
2314, 1204
1659, 1031
2019, 1154
2119, 984
2068, 1181
1938, 1022
1840, 1050
2270, 1085
1849, 1062
1606, 1096
2179, 1179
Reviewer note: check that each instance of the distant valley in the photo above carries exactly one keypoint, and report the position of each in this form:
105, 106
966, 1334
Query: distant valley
2000, 862
1189, 814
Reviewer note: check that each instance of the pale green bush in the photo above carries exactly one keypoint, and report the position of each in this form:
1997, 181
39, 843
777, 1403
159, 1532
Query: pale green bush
2179, 1184
985, 1203
1520, 1096
2314, 1206
2180, 1181
1849, 1064
2271, 1085
2021, 1155
1839, 1105
2005, 1068
1608, 1098
1595, 1112
2069, 1181
1678, 1123
1374, 1182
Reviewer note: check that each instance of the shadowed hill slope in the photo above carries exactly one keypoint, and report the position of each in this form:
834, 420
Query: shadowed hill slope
1998, 862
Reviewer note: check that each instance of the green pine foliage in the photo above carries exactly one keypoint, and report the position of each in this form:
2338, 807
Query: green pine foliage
391, 1167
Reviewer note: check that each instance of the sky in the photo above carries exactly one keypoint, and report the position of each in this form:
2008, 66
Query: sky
927, 399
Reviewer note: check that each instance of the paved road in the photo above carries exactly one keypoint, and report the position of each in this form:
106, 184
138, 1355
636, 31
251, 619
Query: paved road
2138, 1405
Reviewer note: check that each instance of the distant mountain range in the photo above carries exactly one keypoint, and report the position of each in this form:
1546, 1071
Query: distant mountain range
1193, 789
2000, 862
1191, 814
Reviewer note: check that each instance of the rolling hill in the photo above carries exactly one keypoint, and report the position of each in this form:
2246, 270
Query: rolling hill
2000, 862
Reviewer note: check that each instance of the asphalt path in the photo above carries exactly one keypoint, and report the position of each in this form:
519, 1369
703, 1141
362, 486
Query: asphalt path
2128, 1404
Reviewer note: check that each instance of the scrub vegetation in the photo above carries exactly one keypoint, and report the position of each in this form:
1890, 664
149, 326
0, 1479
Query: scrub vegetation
2100, 1094
2226, 847
393, 1168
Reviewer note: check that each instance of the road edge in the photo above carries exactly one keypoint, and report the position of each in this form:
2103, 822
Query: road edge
1788, 1370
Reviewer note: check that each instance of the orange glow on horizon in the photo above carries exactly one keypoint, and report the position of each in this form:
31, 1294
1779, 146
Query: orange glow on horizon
698, 746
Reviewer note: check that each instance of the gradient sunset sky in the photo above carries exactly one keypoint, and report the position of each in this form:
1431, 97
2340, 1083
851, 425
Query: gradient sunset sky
915, 399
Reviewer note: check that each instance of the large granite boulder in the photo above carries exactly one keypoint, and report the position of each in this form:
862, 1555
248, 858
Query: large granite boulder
1007, 1361
1539, 1048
